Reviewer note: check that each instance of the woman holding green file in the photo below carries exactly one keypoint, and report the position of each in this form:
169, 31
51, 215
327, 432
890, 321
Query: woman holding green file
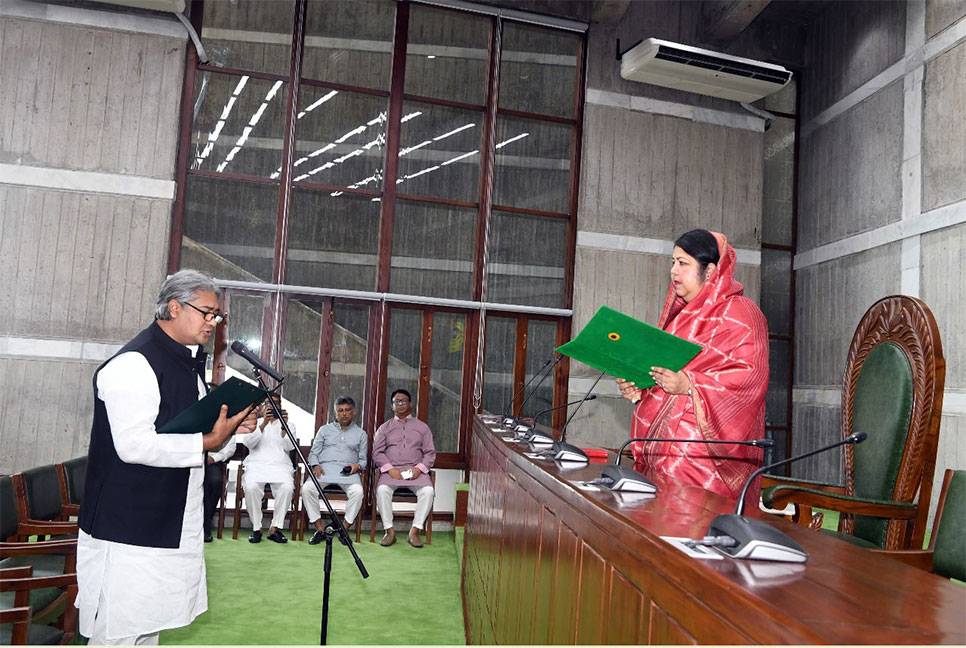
720, 394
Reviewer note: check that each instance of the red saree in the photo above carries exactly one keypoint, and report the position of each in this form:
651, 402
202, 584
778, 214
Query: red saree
729, 379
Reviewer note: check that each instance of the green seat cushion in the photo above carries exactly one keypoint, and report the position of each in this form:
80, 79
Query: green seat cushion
37, 635
949, 559
39, 598
44, 565
882, 407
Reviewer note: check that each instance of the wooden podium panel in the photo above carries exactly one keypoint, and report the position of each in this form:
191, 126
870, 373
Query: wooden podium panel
546, 562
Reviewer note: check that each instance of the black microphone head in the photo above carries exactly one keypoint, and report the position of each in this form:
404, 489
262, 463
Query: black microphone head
857, 437
238, 347
592, 397
763, 443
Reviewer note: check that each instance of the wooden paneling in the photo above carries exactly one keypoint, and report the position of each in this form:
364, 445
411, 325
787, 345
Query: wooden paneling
603, 575
91, 99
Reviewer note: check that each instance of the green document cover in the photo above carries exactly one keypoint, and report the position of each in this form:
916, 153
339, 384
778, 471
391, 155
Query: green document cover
624, 347
201, 416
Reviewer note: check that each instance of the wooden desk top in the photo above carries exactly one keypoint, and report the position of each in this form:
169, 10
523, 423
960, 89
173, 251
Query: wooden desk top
843, 594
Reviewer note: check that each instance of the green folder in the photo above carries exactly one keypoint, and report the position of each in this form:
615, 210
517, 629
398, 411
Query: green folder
624, 347
201, 416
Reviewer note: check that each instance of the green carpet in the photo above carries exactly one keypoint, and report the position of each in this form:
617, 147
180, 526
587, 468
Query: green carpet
272, 594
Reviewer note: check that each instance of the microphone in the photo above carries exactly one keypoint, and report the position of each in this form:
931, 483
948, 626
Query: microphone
755, 539
254, 360
621, 479
511, 421
563, 451
553, 409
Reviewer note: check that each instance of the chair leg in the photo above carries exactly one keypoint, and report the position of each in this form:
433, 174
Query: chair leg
429, 527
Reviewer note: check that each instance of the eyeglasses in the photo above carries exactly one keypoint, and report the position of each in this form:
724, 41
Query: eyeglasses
400, 402
210, 316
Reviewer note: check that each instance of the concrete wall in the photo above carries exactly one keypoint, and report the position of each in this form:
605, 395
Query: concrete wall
88, 135
881, 199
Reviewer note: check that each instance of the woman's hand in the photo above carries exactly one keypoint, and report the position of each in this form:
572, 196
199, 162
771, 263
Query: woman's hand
629, 390
673, 382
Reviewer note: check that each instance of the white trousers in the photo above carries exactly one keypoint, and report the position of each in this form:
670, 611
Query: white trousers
313, 508
281, 491
424, 503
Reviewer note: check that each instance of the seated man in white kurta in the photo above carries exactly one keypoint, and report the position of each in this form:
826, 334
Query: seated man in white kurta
268, 462
140, 557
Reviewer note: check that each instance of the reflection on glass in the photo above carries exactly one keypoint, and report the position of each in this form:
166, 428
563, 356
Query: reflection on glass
349, 41
541, 338
333, 241
249, 34
303, 321
432, 250
538, 69
500, 341
349, 344
446, 56
245, 324
405, 335
532, 165
340, 139
446, 377
238, 126
526, 260
439, 152
229, 229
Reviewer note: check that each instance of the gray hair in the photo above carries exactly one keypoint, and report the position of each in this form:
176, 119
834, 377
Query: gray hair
182, 286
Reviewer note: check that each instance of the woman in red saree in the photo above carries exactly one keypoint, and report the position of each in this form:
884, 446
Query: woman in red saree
720, 394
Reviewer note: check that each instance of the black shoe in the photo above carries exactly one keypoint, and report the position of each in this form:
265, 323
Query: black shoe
208, 537
317, 538
255, 537
277, 537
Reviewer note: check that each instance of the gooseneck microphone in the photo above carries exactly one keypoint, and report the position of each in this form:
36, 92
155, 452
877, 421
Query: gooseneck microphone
563, 451
554, 409
619, 478
254, 360
548, 366
741, 537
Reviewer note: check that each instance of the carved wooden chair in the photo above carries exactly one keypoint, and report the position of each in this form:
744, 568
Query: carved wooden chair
37, 505
893, 391
268, 501
946, 553
22, 595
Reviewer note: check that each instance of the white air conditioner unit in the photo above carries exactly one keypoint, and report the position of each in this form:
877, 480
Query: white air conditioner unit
702, 71
172, 6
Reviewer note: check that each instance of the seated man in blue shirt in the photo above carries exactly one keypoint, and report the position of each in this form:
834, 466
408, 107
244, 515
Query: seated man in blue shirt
338, 455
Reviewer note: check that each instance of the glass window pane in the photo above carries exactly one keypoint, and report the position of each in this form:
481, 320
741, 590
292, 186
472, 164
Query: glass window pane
500, 342
333, 240
778, 183
229, 229
526, 260
538, 69
238, 128
532, 165
349, 41
245, 318
340, 139
348, 369
439, 152
405, 336
303, 321
446, 56
446, 380
541, 338
249, 34
432, 250
776, 272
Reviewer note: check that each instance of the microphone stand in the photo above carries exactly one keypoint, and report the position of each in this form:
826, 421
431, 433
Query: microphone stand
333, 528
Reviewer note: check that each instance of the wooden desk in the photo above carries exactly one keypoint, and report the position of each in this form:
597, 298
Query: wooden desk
545, 562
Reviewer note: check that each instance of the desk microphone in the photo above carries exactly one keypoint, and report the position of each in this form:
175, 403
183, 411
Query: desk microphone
621, 479
741, 537
530, 432
563, 451
512, 421
254, 360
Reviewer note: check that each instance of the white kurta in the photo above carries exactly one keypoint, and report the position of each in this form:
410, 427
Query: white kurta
141, 590
268, 460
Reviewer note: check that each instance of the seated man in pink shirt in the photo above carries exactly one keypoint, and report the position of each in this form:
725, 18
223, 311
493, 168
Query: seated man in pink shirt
404, 452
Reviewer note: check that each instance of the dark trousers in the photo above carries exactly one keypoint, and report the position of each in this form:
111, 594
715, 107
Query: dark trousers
214, 479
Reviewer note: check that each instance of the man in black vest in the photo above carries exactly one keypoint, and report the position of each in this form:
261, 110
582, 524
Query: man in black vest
140, 557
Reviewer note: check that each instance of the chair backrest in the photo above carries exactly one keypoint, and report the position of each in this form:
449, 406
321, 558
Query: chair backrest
893, 391
41, 488
8, 508
949, 549
76, 472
